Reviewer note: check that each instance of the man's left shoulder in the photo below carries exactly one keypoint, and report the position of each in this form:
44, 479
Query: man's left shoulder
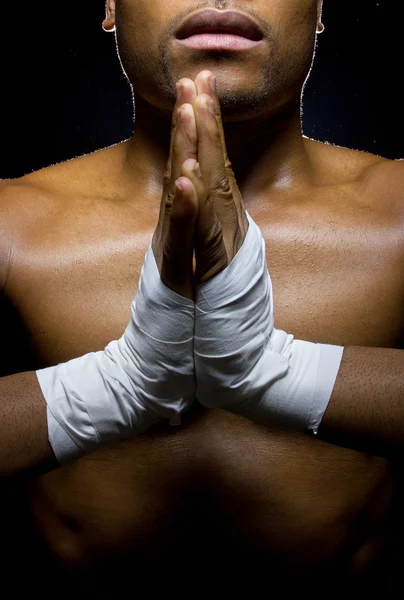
385, 180
339, 165
379, 182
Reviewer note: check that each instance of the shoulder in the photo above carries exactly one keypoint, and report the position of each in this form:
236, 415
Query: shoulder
380, 178
30, 204
387, 180
5, 246
338, 164
372, 181
21, 206
83, 177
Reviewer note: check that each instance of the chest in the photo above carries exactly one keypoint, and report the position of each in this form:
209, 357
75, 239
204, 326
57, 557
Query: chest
332, 283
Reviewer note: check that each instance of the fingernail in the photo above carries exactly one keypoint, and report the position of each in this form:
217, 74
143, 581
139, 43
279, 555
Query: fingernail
180, 186
180, 89
212, 83
197, 170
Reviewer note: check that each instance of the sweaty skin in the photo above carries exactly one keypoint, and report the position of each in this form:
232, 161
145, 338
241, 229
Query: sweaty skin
219, 501
333, 247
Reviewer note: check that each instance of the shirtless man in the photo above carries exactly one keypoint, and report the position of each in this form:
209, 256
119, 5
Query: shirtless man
221, 495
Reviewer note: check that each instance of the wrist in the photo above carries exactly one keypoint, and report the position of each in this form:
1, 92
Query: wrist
298, 398
246, 366
145, 376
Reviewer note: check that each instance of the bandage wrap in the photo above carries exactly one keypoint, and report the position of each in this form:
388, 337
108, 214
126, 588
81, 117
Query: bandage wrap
145, 376
242, 363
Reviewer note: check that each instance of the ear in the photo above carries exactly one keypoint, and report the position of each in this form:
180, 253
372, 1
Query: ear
320, 26
108, 23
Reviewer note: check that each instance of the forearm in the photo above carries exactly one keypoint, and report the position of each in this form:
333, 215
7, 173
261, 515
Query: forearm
366, 408
24, 433
352, 396
144, 377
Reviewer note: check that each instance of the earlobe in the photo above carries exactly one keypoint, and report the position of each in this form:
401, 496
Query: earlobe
320, 25
109, 22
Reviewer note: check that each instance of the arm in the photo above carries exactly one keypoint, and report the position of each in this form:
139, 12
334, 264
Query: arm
142, 378
24, 434
244, 365
367, 404
24, 437
366, 409
138, 380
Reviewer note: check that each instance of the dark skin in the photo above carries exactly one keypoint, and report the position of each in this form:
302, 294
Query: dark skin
306, 503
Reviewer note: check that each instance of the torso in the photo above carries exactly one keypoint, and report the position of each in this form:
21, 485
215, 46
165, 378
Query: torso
334, 259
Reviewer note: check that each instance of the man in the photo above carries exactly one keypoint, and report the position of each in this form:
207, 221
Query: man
221, 487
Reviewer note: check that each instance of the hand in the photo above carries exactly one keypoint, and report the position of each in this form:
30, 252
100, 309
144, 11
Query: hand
221, 224
174, 235
209, 212
233, 313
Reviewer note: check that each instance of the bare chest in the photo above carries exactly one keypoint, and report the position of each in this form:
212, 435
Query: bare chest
72, 287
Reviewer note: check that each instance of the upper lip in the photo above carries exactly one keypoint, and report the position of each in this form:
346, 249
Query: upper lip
209, 21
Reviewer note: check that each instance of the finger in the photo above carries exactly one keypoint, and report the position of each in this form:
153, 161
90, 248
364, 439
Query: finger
185, 142
182, 146
186, 94
211, 159
210, 251
206, 84
191, 170
177, 267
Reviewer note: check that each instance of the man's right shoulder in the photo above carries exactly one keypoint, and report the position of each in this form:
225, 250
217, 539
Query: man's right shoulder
5, 247
28, 204
21, 199
21, 204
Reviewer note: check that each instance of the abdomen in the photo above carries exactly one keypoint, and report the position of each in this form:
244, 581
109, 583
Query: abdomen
219, 493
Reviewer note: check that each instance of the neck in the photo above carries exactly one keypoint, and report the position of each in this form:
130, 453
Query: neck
266, 156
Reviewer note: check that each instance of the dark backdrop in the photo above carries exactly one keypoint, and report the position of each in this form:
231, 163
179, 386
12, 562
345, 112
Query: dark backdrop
63, 93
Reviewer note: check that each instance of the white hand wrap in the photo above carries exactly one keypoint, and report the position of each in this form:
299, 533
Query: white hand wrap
246, 366
145, 376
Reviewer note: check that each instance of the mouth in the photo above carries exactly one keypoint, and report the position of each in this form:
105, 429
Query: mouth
211, 26
218, 41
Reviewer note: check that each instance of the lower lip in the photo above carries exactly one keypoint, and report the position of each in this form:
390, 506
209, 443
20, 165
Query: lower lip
219, 41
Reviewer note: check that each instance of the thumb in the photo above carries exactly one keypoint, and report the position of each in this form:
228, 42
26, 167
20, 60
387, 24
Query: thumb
177, 265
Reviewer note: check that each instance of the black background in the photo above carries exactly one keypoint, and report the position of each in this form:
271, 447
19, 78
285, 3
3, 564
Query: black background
64, 94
